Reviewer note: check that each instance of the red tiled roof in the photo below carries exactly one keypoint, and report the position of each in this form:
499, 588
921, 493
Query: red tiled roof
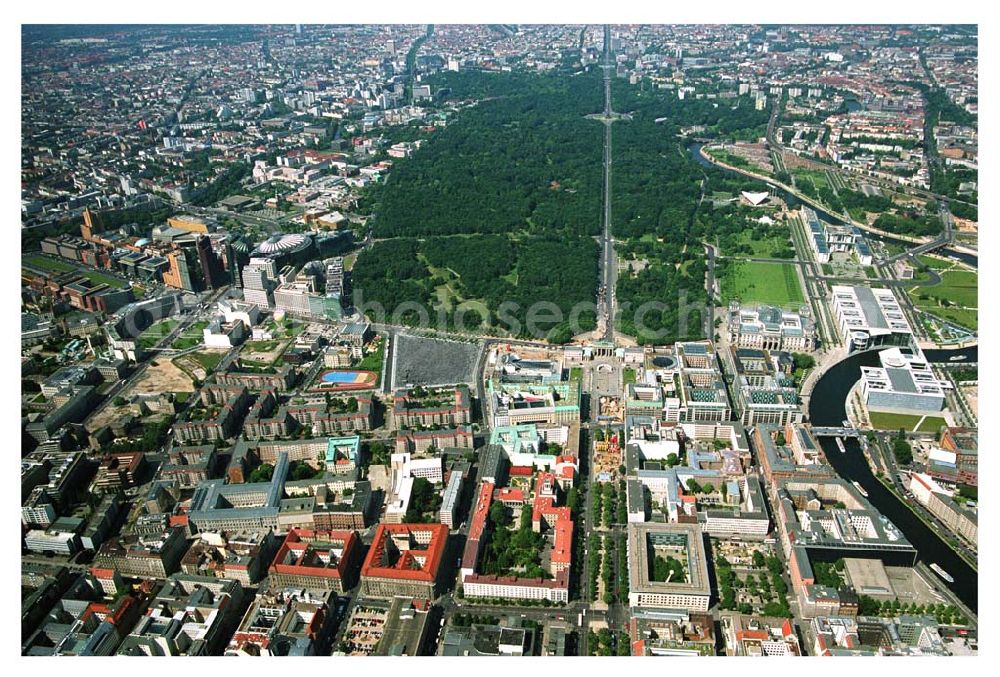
406, 567
96, 608
509, 494
560, 581
301, 540
562, 550
546, 505
482, 509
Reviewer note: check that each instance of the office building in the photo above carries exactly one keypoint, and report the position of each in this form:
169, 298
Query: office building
140, 556
405, 559
317, 561
216, 505
902, 384
828, 239
680, 543
763, 393
869, 318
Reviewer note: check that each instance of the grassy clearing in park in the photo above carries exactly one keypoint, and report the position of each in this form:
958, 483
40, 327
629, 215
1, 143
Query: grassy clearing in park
818, 178
934, 262
260, 346
753, 282
955, 298
961, 287
881, 420
963, 317
766, 247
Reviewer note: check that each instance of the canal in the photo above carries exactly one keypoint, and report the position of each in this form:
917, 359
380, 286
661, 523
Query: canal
827, 408
792, 201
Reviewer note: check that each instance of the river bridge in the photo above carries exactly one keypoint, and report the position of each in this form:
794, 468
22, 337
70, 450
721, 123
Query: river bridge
837, 432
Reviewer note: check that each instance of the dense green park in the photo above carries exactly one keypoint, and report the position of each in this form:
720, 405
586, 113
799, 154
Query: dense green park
503, 205
477, 274
525, 158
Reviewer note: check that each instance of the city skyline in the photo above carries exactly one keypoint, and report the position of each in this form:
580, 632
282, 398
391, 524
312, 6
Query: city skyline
499, 339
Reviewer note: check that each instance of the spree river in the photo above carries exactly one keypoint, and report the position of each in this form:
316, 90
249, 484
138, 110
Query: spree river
792, 201
827, 409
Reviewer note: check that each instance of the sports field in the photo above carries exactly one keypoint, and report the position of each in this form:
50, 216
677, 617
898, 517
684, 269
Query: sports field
754, 282
345, 379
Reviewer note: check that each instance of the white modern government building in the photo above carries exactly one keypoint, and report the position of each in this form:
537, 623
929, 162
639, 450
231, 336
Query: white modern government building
869, 318
903, 384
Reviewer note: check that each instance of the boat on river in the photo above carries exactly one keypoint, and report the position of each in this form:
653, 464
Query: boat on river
936, 568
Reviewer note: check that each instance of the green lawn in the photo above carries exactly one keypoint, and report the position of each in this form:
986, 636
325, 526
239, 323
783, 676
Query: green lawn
753, 282
961, 287
100, 278
261, 346
955, 298
961, 316
935, 263
374, 361
884, 421
818, 178
155, 332
57, 266
931, 424
766, 247
190, 337
209, 360
45, 263
629, 376
575, 373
